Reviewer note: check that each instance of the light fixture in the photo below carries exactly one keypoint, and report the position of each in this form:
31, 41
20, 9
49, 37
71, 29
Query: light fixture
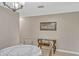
14, 6
41, 6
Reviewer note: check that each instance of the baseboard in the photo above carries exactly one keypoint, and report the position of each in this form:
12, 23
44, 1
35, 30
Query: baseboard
67, 51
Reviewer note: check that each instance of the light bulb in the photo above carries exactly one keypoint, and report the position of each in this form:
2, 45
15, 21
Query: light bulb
16, 5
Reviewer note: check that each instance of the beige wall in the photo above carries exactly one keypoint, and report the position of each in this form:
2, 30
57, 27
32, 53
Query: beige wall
67, 34
9, 28
25, 30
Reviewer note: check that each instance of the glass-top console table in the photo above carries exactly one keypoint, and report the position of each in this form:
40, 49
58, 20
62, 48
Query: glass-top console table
51, 44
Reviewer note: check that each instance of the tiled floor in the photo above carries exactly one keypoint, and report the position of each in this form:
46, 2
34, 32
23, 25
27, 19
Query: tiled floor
45, 52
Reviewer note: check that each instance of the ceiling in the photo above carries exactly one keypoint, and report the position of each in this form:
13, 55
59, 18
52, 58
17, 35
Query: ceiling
31, 8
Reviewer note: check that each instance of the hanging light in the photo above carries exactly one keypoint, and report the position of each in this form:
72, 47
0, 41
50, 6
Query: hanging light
14, 6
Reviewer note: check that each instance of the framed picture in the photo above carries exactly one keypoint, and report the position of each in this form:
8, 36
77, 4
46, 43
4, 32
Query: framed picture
51, 26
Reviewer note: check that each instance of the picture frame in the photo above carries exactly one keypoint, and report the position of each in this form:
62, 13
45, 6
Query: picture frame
48, 26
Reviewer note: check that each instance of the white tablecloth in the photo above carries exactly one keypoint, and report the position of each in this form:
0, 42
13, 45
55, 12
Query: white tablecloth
21, 50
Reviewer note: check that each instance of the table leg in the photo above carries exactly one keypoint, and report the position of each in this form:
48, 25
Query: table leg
54, 46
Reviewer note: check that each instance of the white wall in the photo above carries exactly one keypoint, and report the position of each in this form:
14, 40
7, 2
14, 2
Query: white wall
67, 34
9, 28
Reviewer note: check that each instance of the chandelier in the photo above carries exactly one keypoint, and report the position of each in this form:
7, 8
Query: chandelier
14, 6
